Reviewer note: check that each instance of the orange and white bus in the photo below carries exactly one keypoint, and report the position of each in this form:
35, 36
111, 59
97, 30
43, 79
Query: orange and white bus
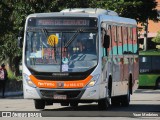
80, 56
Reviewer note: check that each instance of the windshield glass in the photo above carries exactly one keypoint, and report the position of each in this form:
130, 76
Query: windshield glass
61, 51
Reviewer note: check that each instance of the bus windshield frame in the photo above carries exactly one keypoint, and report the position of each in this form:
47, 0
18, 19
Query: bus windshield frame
76, 49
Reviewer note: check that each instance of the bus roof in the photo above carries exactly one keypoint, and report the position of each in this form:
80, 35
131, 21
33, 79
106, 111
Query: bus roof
105, 15
150, 52
90, 10
101, 14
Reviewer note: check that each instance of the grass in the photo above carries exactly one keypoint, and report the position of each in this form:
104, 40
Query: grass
150, 52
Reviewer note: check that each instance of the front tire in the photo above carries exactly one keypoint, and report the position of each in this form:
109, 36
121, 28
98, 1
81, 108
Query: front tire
126, 99
103, 104
39, 104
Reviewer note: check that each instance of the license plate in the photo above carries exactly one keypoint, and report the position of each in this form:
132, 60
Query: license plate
60, 97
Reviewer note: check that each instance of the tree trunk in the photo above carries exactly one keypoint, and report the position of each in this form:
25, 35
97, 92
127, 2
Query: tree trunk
17, 61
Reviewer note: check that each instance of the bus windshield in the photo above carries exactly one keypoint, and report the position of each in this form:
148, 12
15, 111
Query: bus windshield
49, 50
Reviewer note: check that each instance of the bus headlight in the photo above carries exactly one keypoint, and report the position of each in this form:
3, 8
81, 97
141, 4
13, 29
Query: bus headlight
28, 80
93, 81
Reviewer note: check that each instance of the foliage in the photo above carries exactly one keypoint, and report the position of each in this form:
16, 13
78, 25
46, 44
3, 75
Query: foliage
5, 12
11, 75
140, 10
13, 14
157, 38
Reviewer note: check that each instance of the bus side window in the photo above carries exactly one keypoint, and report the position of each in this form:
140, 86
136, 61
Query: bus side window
130, 41
106, 43
125, 43
135, 47
119, 39
105, 38
114, 40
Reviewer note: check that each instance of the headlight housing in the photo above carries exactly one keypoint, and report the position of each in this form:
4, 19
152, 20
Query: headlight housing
28, 80
93, 81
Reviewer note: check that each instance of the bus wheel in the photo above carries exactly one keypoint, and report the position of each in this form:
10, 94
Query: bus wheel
74, 104
103, 104
39, 104
125, 99
158, 84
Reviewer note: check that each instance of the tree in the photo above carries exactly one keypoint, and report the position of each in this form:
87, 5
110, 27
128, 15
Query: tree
5, 11
8, 48
136, 9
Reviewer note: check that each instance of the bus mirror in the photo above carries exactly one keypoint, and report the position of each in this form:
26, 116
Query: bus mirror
20, 40
106, 43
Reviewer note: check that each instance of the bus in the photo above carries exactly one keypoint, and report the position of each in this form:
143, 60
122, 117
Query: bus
149, 70
80, 55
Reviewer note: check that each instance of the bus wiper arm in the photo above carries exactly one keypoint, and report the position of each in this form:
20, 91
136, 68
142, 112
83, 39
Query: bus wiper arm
44, 31
72, 38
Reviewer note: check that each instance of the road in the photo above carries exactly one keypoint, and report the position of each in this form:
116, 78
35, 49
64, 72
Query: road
143, 101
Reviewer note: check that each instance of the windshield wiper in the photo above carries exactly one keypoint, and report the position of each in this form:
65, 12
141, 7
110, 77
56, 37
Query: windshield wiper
44, 31
72, 38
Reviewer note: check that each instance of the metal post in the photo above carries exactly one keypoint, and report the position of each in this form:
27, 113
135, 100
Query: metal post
145, 35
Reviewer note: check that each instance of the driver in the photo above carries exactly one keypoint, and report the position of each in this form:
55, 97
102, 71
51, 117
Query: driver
79, 47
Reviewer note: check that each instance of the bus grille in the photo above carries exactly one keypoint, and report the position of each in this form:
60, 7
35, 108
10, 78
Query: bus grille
71, 94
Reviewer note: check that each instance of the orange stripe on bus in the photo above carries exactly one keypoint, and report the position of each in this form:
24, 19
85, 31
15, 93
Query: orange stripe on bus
60, 84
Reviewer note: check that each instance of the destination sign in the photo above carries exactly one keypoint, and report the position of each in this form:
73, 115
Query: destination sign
48, 22
62, 22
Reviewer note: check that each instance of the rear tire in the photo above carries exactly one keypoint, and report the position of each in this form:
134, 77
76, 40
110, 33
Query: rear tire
39, 104
125, 100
